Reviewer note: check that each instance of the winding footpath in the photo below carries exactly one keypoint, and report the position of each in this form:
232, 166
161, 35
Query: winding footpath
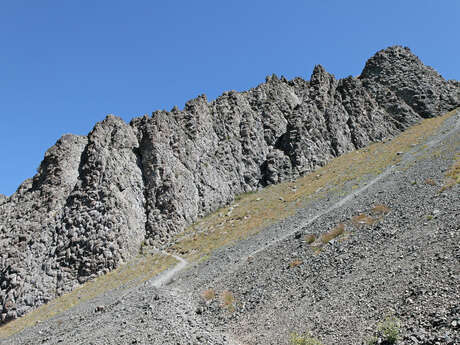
166, 277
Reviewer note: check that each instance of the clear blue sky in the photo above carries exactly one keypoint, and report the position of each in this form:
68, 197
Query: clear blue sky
64, 65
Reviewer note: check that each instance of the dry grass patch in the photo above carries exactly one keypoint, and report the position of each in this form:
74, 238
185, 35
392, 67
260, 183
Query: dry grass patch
209, 295
295, 263
430, 181
310, 238
362, 219
452, 175
133, 273
380, 209
335, 232
254, 211
228, 301
304, 339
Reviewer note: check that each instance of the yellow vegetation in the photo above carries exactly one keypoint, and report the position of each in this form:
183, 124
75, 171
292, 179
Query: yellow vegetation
380, 209
330, 235
295, 263
362, 219
310, 238
209, 294
430, 181
453, 174
228, 300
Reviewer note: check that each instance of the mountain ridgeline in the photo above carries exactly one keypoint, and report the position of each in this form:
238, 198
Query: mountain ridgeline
96, 198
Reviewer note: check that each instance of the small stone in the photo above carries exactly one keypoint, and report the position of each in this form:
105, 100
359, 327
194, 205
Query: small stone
99, 308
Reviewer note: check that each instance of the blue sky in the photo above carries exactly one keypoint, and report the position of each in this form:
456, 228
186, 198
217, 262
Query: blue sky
64, 65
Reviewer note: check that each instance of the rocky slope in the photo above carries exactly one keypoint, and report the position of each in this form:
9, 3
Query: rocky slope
403, 263
95, 199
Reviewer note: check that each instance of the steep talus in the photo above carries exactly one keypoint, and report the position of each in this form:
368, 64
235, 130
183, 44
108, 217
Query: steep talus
96, 198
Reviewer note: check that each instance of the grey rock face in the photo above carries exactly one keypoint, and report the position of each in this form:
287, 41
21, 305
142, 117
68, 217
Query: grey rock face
102, 223
28, 220
96, 198
419, 86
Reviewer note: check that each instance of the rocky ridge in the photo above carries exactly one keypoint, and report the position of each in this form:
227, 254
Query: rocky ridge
94, 199
403, 263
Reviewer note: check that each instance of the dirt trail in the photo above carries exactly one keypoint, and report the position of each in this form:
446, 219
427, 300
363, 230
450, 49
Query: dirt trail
165, 277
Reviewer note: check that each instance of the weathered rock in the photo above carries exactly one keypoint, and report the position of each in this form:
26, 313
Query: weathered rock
103, 220
96, 198
28, 224
420, 87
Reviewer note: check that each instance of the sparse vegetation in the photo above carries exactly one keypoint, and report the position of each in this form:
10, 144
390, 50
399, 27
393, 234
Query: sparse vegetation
295, 263
430, 181
241, 196
228, 301
303, 339
335, 232
142, 247
310, 238
452, 175
380, 209
209, 295
362, 219
387, 331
